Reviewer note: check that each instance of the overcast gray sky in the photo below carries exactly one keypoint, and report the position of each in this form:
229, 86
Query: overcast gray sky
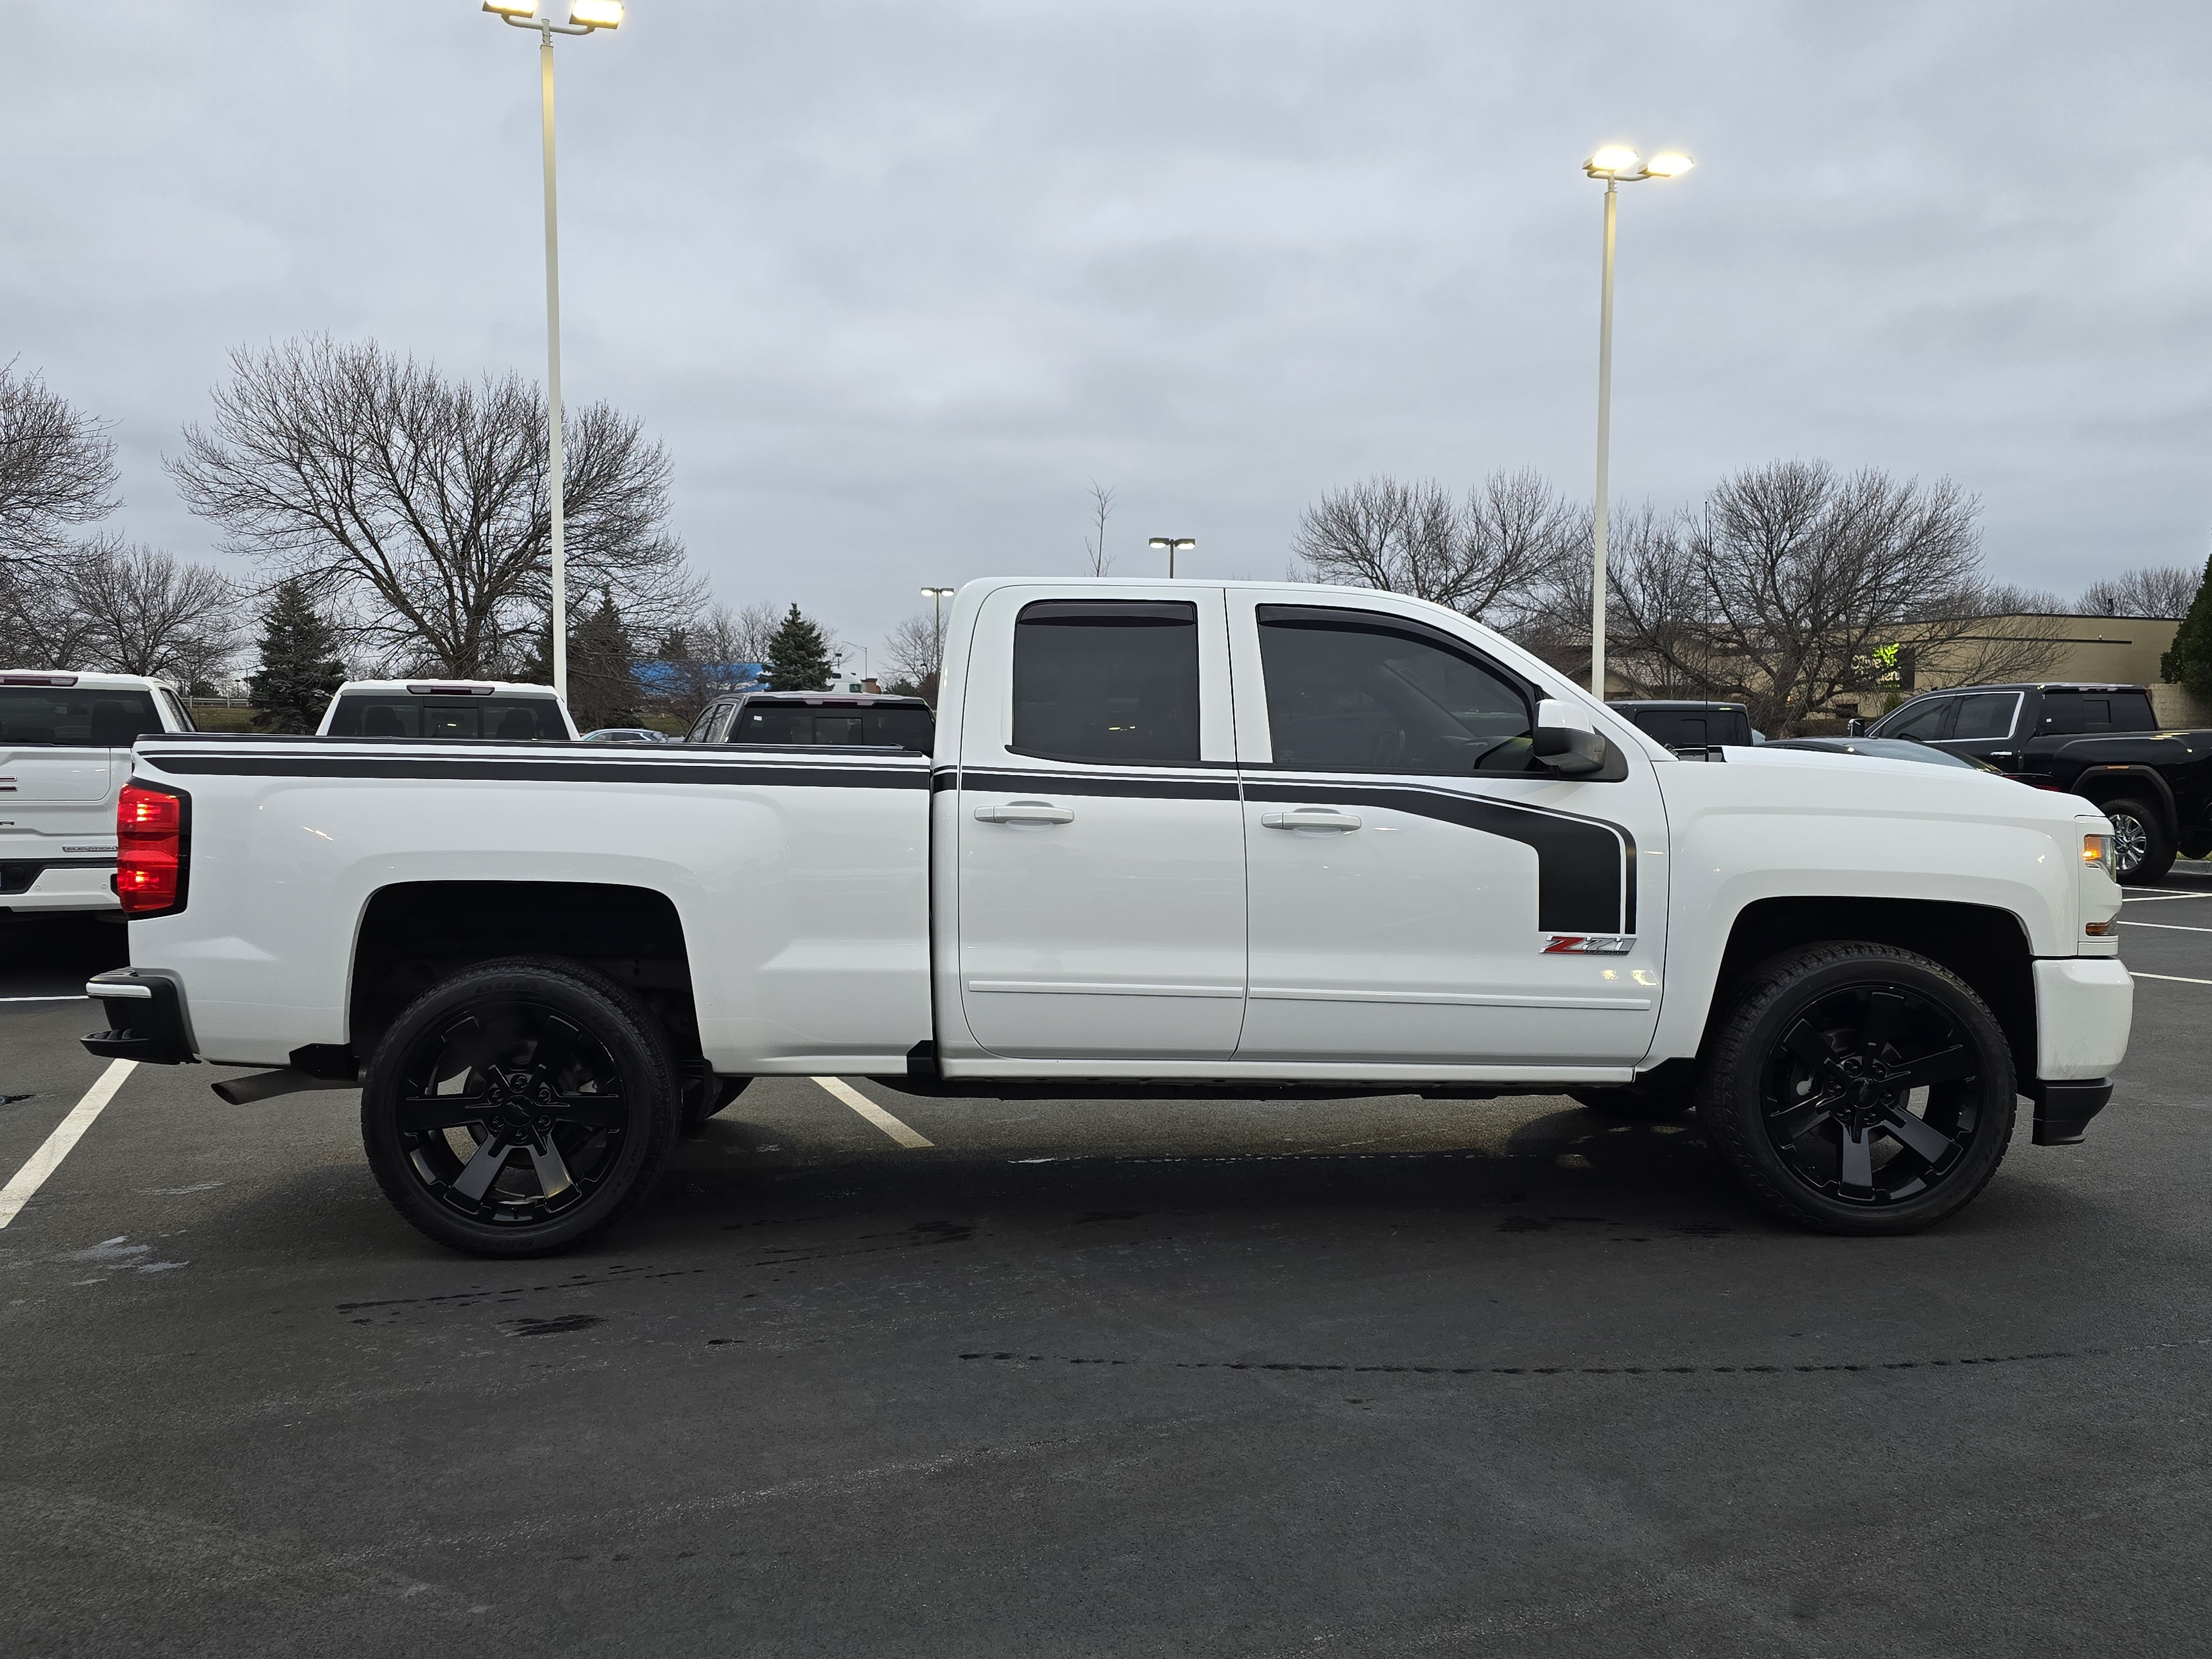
894, 281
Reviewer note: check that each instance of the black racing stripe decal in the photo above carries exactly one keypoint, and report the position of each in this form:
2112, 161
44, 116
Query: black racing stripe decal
1585, 869
425, 768
1077, 783
941, 781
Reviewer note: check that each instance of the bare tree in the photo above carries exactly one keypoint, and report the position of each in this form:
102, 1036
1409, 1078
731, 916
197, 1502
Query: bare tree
913, 655
41, 627
151, 614
2156, 590
1795, 585
1490, 559
1094, 545
704, 656
57, 470
423, 502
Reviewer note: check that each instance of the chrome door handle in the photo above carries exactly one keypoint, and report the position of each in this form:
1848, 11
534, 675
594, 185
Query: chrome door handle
1310, 818
1024, 812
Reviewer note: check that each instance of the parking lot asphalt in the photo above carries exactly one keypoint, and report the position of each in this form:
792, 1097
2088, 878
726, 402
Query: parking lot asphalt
1365, 1377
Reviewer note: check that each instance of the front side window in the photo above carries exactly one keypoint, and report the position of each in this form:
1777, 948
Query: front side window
1986, 714
1354, 691
1923, 721
77, 719
1107, 681
505, 719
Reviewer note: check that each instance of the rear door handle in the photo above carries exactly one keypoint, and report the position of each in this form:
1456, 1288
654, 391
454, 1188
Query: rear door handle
1024, 812
1322, 817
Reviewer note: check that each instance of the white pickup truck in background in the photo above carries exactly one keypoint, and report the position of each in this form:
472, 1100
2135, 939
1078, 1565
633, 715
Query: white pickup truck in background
64, 754
1176, 838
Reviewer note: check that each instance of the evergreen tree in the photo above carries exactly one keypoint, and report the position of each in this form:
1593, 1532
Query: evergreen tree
797, 655
2188, 661
601, 671
299, 667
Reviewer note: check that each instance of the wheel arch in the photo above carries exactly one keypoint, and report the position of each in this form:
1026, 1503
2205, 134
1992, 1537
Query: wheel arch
1984, 945
413, 934
2099, 784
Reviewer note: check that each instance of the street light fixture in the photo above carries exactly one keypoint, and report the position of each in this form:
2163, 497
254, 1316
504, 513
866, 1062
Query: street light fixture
937, 597
1172, 545
1617, 164
585, 17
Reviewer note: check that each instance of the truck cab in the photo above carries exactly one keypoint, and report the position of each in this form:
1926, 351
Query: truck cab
436, 709
2018, 728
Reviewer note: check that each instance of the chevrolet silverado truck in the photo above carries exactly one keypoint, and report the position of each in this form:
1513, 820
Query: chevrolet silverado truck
1176, 840
2101, 742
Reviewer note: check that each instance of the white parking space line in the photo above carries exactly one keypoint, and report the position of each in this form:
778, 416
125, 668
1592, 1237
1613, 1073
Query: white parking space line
79, 997
48, 1158
2178, 979
2155, 897
2167, 926
875, 1114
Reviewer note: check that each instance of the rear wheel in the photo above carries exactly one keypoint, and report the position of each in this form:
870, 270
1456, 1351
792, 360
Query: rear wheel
2142, 850
1860, 1089
519, 1107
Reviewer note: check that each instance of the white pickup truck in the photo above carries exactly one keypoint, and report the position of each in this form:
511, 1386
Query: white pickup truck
1177, 838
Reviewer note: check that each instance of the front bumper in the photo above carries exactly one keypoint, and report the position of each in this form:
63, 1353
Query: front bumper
2062, 1110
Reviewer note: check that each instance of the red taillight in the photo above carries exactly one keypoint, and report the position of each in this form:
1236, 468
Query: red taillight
150, 864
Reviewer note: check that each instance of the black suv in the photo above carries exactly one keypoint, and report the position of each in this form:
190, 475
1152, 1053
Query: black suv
1691, 729
2101, 742
812, 718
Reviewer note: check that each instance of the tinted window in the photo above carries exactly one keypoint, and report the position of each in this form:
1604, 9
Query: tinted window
1109, 680
1696, 728
2070, 712
75, 719
894, 728
177, 711
509, 719
1923, 720
1352, 691
1986, 714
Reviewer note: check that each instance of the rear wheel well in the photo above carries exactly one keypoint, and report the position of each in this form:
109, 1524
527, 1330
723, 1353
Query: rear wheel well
1986, 947
415, 934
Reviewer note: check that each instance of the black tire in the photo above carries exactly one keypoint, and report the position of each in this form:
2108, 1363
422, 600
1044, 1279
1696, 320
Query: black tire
2197, 844
1809, 1091
528, 1056
2143, 851
706, 1094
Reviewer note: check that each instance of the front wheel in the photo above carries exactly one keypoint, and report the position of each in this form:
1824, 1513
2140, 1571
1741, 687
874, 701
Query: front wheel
2142, 850
519, 1107
1859, 1088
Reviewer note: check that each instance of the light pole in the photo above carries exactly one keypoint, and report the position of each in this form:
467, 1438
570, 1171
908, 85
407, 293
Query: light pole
585, 17
1617, 165
1172, 545
937, 597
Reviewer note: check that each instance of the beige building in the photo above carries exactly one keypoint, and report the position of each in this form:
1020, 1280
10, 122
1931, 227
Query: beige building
2099, 650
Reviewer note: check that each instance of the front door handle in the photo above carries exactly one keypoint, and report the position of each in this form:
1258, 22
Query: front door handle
1024, 812
1311, 817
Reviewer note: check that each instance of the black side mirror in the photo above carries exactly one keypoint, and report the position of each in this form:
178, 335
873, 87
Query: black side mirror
1572, 751
1857, 728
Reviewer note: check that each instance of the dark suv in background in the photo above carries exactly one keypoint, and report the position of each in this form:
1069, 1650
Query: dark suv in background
1691, 729
810, 718
2101, 742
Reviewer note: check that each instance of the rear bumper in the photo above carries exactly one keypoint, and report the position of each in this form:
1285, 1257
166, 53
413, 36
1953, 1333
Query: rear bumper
145, 1019
57, 884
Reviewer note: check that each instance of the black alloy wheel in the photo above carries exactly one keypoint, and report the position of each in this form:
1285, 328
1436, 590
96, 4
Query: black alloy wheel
519, 1107
1859, 1088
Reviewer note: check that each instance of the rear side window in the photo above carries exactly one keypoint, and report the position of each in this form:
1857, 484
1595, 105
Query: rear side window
1696, 728
1986, 714
1112, 681
177, 711
1923, 721
507, 720
1354, 691
37, 715
2084, 712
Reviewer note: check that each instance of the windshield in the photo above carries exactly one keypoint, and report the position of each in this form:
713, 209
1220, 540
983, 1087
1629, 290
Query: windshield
397, 714
898, 726
75, 719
